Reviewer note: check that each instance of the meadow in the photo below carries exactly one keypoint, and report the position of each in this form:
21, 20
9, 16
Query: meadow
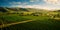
40, 21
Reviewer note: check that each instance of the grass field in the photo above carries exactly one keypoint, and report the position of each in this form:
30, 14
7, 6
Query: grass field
40, 23
11, 18
43, 24
39, 20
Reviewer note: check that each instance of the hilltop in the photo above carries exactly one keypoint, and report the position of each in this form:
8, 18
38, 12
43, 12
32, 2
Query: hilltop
5, 9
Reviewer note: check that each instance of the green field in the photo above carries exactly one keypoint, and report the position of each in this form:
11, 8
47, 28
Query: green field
36, 25
39, 23
40, 20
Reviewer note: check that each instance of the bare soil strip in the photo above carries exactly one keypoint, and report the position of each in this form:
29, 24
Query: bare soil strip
6, 25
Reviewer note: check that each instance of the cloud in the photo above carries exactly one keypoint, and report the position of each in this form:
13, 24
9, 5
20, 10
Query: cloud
55, 2
32, 6
15, 3
25, 3
33, 0
36, 6
45, 6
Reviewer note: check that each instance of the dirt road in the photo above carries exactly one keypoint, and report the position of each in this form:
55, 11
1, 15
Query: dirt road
6, 25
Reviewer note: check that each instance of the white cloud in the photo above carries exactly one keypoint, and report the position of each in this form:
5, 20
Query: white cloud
16, 6
55, 2
18, 3
35, 6
41, 7
15, 3
23, 5
33, 0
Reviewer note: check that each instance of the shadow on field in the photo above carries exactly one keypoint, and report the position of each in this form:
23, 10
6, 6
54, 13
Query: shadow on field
50, 24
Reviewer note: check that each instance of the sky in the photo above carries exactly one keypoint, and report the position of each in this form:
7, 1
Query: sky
39, 4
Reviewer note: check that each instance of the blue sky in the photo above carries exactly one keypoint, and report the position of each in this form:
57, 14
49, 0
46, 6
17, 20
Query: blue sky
40, 4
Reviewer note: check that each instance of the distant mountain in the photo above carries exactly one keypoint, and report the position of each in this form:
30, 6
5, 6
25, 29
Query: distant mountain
58, 10
6, 9
2, 9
